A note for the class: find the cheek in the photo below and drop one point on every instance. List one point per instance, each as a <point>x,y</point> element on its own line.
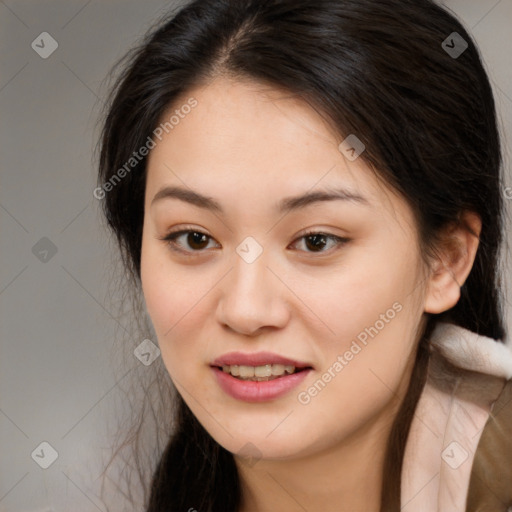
<point>368,331</point>
<point>163,286</point>
<point>177,302</point>
<point>362,295</point>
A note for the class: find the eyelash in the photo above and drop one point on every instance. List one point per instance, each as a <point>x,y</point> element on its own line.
<point>171,237</point>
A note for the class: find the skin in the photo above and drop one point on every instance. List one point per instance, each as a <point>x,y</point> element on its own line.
<point>248,146</point>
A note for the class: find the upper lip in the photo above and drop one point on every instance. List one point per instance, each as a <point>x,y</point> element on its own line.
<point>256,359</point>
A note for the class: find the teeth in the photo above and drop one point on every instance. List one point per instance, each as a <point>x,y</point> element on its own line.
<point>278,369</point>
<point>246,371</point>
<point>263,371</point>
<point>259,373</point>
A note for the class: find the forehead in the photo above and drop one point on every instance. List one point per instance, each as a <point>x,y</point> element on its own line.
<point>244,137</point>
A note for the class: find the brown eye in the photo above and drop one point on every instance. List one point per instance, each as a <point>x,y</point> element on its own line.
<point>316,241</point>
<point>194,241</point>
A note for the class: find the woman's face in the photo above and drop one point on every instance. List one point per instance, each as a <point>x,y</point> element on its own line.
<point>247,287</point>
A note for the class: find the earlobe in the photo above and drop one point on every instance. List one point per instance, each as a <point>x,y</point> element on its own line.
<point>456,255</point>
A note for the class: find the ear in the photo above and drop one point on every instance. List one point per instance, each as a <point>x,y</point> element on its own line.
<point>455,256</point>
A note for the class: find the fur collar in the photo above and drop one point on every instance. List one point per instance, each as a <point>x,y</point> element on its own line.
<point>450,417</point>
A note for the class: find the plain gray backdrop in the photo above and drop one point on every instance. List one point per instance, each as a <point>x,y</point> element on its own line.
<point>56,379</point>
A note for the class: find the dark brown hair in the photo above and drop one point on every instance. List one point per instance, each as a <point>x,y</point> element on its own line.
<point>375,68</point>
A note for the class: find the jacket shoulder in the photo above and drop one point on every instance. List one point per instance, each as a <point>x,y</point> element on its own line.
<point>490,486</point>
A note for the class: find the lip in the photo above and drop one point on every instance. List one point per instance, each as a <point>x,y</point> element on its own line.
<point>253,391</point>
<point>256,359</point>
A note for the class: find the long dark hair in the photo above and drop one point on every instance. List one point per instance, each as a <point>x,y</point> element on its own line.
<point>381,69</point>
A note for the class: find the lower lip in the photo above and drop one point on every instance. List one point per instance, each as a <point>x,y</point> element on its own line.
<point>254,391</point>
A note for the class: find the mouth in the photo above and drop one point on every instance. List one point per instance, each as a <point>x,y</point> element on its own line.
<point>258,377</point>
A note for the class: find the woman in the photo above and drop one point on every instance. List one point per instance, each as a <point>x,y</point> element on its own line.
<point>308,196</point>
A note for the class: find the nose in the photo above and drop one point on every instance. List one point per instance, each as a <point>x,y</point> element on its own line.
<point>253,298</point>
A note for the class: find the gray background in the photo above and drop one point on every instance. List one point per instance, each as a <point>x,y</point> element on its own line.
<point>56,378</point>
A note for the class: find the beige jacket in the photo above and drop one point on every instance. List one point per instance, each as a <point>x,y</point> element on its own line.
<point>458,456</point>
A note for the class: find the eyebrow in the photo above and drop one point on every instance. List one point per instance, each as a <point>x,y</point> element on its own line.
<point>285,205</point>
